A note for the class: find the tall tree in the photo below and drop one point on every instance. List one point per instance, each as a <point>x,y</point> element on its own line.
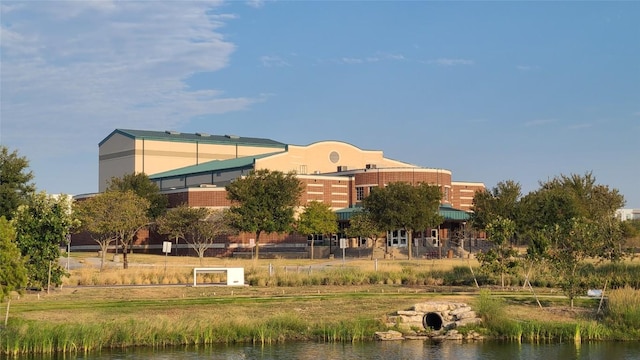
<point>403,206</point>
<point>95,216</point>
<point>264,201</point>
<point>142,186</point>
<point>13,274</point>
<point>362,225</point>
<point>177,222</point>
<point>128,217</point>
<point>15,182</point>
<point>501,201</point>
<point>317,218</point>
<point>501,258</point>
<point>42,225</point>
<point>202,233</point>
<point>573,219</point>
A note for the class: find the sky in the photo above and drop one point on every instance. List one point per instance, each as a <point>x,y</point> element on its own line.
<point>492,91</point>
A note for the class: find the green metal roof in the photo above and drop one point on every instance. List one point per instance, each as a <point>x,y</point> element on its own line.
<point>446,211</point>
<point>215,165</point>
<point>197,137</point>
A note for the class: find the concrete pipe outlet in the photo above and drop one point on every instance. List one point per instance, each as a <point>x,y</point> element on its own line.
<point>432,320</point>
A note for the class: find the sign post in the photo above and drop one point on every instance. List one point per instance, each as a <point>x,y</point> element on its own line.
<point>166,249</point>
<point>252,244</point>
<point>343,245</point>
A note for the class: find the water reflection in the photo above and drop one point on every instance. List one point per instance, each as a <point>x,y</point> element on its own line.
<point>408,350</point>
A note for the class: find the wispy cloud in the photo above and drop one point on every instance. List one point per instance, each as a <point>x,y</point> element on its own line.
<point>371,59</point>
<point>637,113</point>
<point>451,62</point>
<point>580,126</point>
<point>273,61</point>
<point>527,67</point>
<point>114,64</point>
<point>539,122</point>
<point>256,3</point>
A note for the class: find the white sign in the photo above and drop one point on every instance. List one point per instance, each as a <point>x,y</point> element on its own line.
<point>166,247</point>
<point>343,243</point>
<point>252,242</point>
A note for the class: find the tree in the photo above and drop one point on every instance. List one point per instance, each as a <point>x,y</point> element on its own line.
<point>95,217</point>
<point>264,201</point>
<point>177,222</point>
<point>128,217</point>
<point>142,186</point>
<point>203,232</point>
<point>42,225</point>
<point>403,206</point>
<point>317,218</point>
<point>501,258</point>
<point>361,224</point>
<point>572,218</point>
<point>501,201</point>
<point>13,274</point>
<point>15,186</point>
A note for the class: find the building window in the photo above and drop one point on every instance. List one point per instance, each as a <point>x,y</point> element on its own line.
<point>446,194</point>
<point>303,169</point>
<point>359,193</point>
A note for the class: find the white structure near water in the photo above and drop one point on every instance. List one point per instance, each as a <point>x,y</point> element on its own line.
<point>628,214</point>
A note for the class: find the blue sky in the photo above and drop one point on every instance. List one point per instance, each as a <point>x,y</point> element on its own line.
<point>492,91</point>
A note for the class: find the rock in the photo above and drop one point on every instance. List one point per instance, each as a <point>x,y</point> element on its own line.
<point>460,310</point>
<point>388,335</point>
<point>469,321</point>
<point>466,315</point>
<point>408,312</point>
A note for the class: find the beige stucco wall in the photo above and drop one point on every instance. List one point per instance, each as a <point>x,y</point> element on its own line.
<point>317,158</point>
<point>116,158</point>
<point>121,155</point>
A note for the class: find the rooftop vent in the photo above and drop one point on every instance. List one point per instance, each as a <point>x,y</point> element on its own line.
<point>342,168</point>
<point>233,136</point>
<point>370,166</point>
<point>172,132</point>
<point>203,134</point>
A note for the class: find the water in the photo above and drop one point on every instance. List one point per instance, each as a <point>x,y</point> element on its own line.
<point>397,350</point>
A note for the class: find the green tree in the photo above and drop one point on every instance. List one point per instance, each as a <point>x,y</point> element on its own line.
<point>403,206</point>
<point>501,201</point>
<point>142,186</point>
<point>15,182</point>
<point>13,273</point>
<point>129,216</point>
<point>317,218</point>
<point>501,258</point>
<point>177,222</point>
<point>264,201</point>
<point>572,219</point>
<point>362,225</point>
<point>96,217</point>
<point>201,234</point>
<point>42,225</point>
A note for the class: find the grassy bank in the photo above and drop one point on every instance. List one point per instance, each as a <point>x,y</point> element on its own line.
<point>295,300</point>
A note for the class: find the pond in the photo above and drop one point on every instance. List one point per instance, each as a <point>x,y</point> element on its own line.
<point>489,350</point>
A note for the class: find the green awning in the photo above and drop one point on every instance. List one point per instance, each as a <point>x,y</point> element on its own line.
<point>446,211</point>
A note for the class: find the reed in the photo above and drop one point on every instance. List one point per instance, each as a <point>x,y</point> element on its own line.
<point>30,337</point>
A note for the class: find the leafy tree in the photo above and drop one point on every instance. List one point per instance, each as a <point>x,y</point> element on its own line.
<point>264,201</point>
<point>202,233</point>
<point>572,219</point>
<point>13,274</point>
<point>501,201</point>
<point>96,218</point>
<point>41,226</point>
<point>177,222</point>
<point>317,218</point>
<point>142,186</point>
<point>501,258</point>
<point>127,218</point>
<point>15,182</point>
<point>403,206</point>
<point>362,225</point>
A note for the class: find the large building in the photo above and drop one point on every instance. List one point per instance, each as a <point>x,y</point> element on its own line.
<point>195,168</point>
